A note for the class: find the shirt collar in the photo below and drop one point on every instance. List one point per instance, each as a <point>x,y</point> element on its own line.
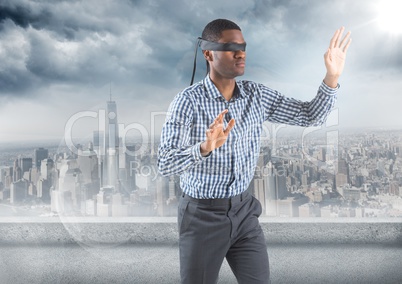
<point>213,92</point>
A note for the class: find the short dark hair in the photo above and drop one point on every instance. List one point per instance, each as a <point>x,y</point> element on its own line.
<point>213,30</point>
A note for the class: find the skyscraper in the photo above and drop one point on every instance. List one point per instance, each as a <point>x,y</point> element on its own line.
<point>39,155</point>
<point>25,164</point>
<point>342,176</point>
<point>111,162</point>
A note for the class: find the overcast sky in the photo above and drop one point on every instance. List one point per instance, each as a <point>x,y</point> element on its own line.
<point>61,58</point>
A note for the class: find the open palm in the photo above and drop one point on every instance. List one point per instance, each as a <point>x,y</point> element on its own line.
<point>336,53</point>
<point>216,134</point>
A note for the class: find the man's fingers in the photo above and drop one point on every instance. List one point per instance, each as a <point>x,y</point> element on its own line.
<point>333,39</point>
<point>222,114</point>
<point>230,126</point>
<point>345,39</point>
<point>218,119</point>
<point>224,111</point>
<point>339,37</point>
<point>219,125</point>
<point>345,49</point>
<point>215,125</point>
<point>336,38</point>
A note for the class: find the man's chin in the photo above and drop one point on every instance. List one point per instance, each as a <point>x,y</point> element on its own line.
<point>240,73</point>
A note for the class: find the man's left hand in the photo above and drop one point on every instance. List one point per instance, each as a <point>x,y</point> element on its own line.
<point>335,57</point>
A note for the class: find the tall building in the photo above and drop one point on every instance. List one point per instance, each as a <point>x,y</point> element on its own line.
<point>274,188</point>
<point>63,197</point>
<point>48,178</point>
<point>99,148</point>
<point>25,164</point>
<point>88,164</point>
<point>39,155</point>
<point>17,173</point>
<point>6,176</point>
<point>18,191</point>
<point>46,168</point>
<point>129,164</point>
<point>342,176</point>
<point>103,202</point>
<point>111,144</point>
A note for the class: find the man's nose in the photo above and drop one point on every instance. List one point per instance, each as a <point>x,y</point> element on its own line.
<point>240,54</point>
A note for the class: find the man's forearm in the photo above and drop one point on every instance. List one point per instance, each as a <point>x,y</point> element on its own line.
<point>175,161</point>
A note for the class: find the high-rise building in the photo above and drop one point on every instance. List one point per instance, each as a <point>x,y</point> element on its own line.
<point>39,155</point>
<point>48,178</point>
<point>25,164</point>
<point>18,191</point>
<point>342,176</point>
<point>99,148</point>
<point>63,197</point>
<point>274,188</point>
<point>46,168</point>
<point>103,202</point>
<point>17,173</point>
<point>106,146</point>
<point>88,164</point>
<point>6,176</point>
<point>111,143</point>
<point>98,140</point>
<point>129,164</point>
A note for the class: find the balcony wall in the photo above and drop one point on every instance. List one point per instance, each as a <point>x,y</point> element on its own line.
<point>144,250</point>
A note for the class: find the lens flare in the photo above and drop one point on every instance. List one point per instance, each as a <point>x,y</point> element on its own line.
<point>389,16</point>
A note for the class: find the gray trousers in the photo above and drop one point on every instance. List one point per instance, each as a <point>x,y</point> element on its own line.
<point>212,229</point>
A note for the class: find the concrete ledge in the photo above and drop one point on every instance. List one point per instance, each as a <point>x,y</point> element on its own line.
<point>144,250</point>
<point>163,231</point>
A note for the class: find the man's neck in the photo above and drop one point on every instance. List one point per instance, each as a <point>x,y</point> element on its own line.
<point>225,86</point>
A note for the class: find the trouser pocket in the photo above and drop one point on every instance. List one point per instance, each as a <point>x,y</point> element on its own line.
<point>181,211</point>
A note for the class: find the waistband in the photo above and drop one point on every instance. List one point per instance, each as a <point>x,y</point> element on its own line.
<point>219,201</point>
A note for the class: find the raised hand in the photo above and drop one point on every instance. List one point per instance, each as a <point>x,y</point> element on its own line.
<point>216,135</point>
<point>335,57</point>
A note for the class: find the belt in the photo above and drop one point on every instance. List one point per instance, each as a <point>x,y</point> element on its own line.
<point>219,201</point>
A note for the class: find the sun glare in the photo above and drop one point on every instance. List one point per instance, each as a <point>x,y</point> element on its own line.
<point>389,16</point>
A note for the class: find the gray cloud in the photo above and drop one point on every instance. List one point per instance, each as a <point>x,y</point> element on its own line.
<point>60,57</point>
<point>23,15</point>
<point>136,44</point>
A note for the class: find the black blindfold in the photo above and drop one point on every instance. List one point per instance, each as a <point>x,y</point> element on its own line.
<point>215,46</point>
<point>218,46</point>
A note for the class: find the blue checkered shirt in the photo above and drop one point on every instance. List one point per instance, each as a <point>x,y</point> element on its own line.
<point>228,170</point>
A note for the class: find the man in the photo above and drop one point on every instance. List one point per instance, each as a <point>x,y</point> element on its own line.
<point>211,137</point>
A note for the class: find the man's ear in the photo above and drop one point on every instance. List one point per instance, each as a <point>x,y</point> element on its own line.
<point>208,55</point>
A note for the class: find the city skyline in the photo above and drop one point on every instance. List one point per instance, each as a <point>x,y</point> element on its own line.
<point>63,58</point>
<point>317,174</point>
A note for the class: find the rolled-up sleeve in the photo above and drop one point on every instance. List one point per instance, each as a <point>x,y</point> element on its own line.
<point>175,154</point>
<point>281,109</point>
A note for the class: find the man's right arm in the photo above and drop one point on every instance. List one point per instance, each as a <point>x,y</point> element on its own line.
<point>176,153</point>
